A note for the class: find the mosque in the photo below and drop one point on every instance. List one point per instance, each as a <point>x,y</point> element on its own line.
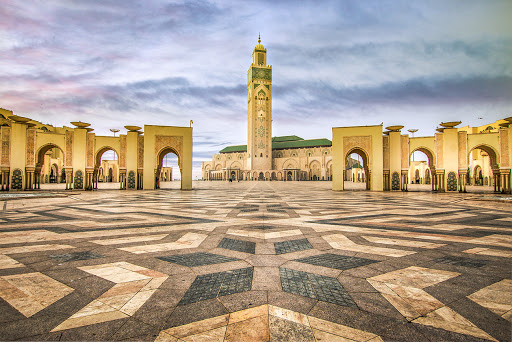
<point>266,157</point>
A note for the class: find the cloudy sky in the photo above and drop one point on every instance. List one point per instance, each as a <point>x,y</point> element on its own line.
<point>335,63</point>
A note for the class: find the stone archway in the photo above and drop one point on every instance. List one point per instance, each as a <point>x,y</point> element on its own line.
<point>365,160</point>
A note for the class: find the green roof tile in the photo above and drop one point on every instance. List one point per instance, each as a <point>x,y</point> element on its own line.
<point>280,145</point>
<point>287,138</point>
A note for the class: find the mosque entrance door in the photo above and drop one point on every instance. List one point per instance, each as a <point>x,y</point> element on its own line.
<point>233,175</point>
<point>261,176</point>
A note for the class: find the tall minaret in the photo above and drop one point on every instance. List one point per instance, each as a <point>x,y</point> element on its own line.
<point>259,103</point>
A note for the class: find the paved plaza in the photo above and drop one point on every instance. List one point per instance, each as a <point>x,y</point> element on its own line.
<point>255,261</point>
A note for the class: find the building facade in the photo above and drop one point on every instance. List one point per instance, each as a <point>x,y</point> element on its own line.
<point>33,153</point>
<point>265,157</point>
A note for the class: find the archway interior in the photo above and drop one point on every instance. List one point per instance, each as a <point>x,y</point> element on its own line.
<point>50,167</point>
<point>107,168</point>
<point>420,165</point>
<point>356,170</point>
<point>482,163</point>
<point>168,170</point>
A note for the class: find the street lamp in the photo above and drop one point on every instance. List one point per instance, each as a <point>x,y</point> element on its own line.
<point>412,131</point>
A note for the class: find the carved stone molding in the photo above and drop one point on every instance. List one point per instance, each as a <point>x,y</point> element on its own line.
<point>69,149</point>
<point>6,145</point>
<point>463,150</point>
<point>174,142</point>
<point>439,150</point>
<point>505,158</point>
<point>385,149</point>
<point>90,149</point>
<point>140,151</point>
<point>122,151</point>
<point>363,142</point>
<point>31,145</point>
<point>404,144</point>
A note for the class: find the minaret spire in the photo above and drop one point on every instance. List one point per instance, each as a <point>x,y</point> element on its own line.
<point>259,38</point>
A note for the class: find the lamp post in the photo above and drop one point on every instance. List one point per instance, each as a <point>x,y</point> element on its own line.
<point>412,131</point>
<point>114,130</point>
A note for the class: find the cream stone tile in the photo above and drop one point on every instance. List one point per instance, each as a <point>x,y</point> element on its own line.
<point>496,297</point>
<point>189,240</point>
<point>421,301</point>
<point>30,293</point>
<point>93,308</point>
<point>263,235</point>
<point>31,249</point>
<point>381,287</point>
<point>252,329</point>
<point>494,240</point>
<point>447,319</point>
<point>322,336</point>
<point>288,315</point>
<point>400,242</point>
<point>126,288</point>
<point>340,241</point>
<point>340,330</point>
<point>118,301</point>
<point>415,276</point>
<point>164,337</point>
<point>128,266</point>
<point>88,320</point>
<point>136,302</point>
<point>198,327</point>
<point>489,251</point>
<point>208,336</point>
<point>7,262</point>
<point>242,315</point>
<point>403,306</point>
<point>154,283</point>
<point>29,236</point>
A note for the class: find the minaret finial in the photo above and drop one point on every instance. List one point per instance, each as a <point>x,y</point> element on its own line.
<point>259,38</point>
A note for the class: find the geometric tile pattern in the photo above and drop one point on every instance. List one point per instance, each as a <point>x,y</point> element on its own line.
<point>130,294</point>
<point>340,262</point>
<point>238,245</point>
<point>315,286</point>
<point>460,261</point>
<point>404,290</point>
<point>134,285</point>
<point>264,323</point>
<point>75,256</point>
<point>218,284</point>
<point>496,297</point>
<point>30,293</point>
<point>340,241</point>
<point>292,246</point>
<point>197,259</point>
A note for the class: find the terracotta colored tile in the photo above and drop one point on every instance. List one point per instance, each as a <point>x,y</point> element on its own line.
<point>198,327</point>
<point>248,313</point>
<point>253,329</point>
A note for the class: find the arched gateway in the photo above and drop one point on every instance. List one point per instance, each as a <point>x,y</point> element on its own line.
<point>386,156</point>
<point>25,143</point>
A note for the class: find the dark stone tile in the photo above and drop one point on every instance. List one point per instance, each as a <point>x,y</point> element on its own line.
<point>292,246</point>
<point>195,312</point>
<point>461,261</point>
<point>315,286</point>
<point>353,284</point>
<point>483,318</point>
<point>238,245</point>
<point>75,256</point>
<point>134,328</point>
<point>197,259</point>
<point>211,285</point>
<point>244,300</point>
<point>15,330</point>
<point>291,301</point>
<point>340,262</point>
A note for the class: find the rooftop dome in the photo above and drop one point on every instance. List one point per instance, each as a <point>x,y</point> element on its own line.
<point>259,46</point>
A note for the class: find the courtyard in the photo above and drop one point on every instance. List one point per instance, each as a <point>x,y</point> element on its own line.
<point>255,261</point>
